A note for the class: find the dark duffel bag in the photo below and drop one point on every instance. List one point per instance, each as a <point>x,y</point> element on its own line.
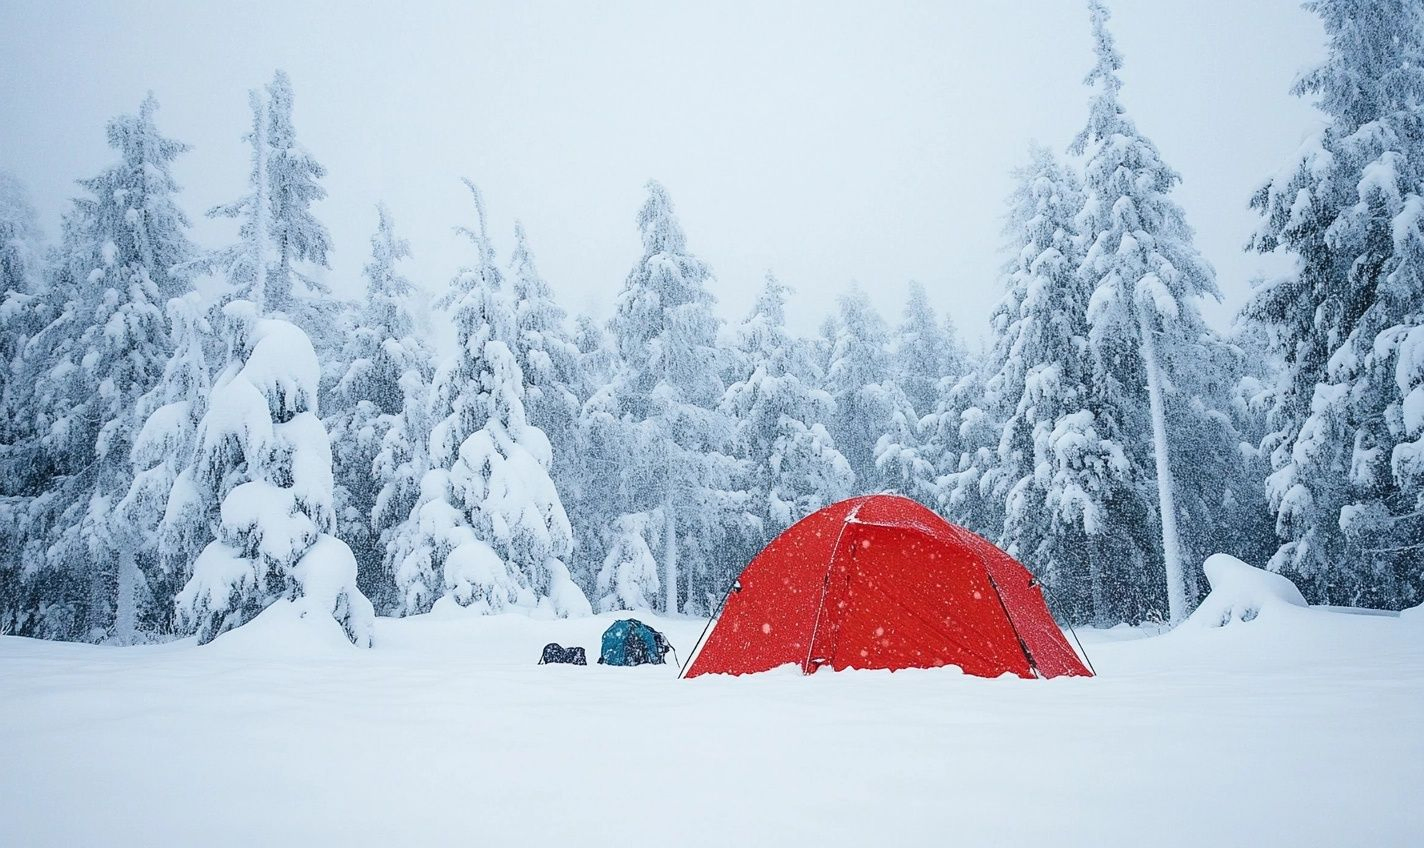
<point>556,653</point>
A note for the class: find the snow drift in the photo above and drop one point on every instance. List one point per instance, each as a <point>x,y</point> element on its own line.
<point>1240,592</point>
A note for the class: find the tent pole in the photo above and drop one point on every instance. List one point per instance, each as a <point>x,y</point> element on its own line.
<point>994,584</point>
<point>682,669</point>
<point>826,583</point>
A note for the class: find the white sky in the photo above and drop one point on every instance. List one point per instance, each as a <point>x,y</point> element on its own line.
<point>829,141</point>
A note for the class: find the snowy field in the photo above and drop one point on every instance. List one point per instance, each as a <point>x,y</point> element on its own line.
<point>1300,727</point>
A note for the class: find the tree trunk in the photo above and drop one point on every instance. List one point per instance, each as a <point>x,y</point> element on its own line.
<point>126,604</point>
<point>669,558</point>
<point>1096,591</point>
<point>260,201</point>
<point>1171,548</point>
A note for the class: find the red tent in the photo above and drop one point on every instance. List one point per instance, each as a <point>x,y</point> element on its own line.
<point>881,582</point>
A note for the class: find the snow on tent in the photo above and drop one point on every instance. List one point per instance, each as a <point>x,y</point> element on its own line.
<point>882,582</point>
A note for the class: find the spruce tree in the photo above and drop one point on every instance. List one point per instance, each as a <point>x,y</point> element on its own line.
<point>382,359</point>
<point>607,489</point>
<point>191,520</point>
<point>668,389</point>
<point>1147,280</point>
<point>298,238</point>
<point>488,530</point>
<point>22,307</point>
<point>263,476</point>
<point>550,361</point>
<point>401,466</point>
<point>792,468</point>
<point>1052,491</point>
<point>279,238</point>
<point>246,263</point>
<point>875,424</point>
<point>628,578</point>
<point>959,440</point>
<point>105,348</point>
<point>26,308</point>
<point>170,414</point>
<point>926,351</point>
<point>595,496</point>
<point>1346,428</point>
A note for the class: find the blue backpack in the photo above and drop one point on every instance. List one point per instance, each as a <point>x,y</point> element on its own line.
<point>631,642</point>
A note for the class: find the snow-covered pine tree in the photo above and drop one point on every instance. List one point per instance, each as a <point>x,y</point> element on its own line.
<point>597,357</point>
<point>169,415</point>
<point>401,465</point>
<point>277,223</point>
<point>606,489</point>
<point>20,237</point>
<point>300,242</point>
<point>191,519</point>
<point>264,458</point>
<point>333,321</point>
<point>875,425</point>
<point>1148,280</point>
<point>298,238</point>
<point>1216,420</point>
<point>958,442</point>
<point>1251,398</point>
<point>384,361</point>
<point>43,386</point>
<point>628,578</point>
<point>106,347</point>
<point>792,467</point>
<point>22,308</point>
<point>488,530</point>
<point>1042,376</point>
<point>856,362</point>
<point>245,264</point>
<point>1346,429</point>
<point>27,306</point>
<point>25,309</point>
<point>668,388</point>
<point>594,498</point>
<point>550,361</point>
<point>925,351</point>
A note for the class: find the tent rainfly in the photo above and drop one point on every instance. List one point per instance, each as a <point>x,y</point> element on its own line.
<point>880,581</point>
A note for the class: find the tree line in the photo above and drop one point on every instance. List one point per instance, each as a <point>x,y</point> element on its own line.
<point>170,465</point>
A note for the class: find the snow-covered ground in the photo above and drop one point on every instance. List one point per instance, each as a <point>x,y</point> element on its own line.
<point>1298,727</point>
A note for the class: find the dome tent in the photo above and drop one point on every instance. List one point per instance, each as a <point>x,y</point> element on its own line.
<point>880,581</point>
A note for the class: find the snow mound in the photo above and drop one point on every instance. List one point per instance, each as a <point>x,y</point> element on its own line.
<point>1239,592</point>
<point>287,628</point>
<point>1413,615</point>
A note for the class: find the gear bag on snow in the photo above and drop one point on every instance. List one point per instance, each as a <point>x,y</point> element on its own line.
<point>556,653</point>
<point>631,642</point>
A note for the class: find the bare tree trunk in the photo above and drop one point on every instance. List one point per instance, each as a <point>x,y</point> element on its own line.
<point>260,201</point>
<point>126,604</point>
<point>1171,547</point>
<point>669,557</point>
<point>1095,586</point>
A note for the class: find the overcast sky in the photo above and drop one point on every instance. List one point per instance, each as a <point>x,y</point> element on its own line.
<point>830,142</point>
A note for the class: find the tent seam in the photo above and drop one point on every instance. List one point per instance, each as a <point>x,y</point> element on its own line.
<point>994,585</point>
<point>826,581</point>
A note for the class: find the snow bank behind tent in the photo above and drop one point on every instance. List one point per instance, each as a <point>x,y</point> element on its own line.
<point>1240,592</point>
